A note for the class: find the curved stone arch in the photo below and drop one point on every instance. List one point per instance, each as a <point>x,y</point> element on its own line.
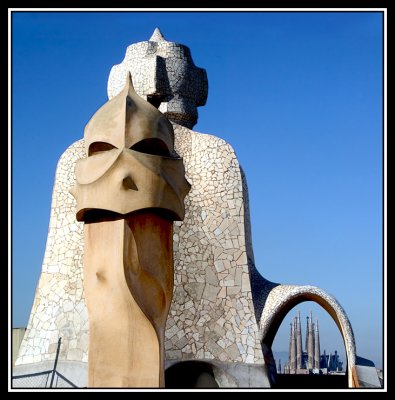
<point>283,298</point>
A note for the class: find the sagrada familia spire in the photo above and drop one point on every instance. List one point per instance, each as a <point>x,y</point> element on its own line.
<point>297,358</point>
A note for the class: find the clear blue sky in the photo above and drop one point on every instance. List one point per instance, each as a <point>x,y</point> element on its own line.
<point>299,97</point>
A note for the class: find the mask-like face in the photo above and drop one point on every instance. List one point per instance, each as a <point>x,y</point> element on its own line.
<point>131,163</point>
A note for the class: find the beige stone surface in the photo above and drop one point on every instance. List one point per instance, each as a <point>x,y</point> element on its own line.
<point>128,289</point>
<point>129,189</point>
<point>131,164</point>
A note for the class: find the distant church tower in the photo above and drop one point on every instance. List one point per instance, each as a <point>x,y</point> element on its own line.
<point>297,358</point>
<point>317,352</point>
<point>299,349</point>
<point>310,344</point>
<point>292,360</point>
<point>307,333</point>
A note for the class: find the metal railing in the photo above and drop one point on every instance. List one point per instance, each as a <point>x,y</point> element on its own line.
<point>45,379</point>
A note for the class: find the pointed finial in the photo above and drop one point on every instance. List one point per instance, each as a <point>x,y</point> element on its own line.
<point>156,36</point>
<point>129,80</point>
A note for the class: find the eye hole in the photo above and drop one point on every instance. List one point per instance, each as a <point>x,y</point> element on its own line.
<point>155,147</point>
<point>98,147</point>
<point>155,99</point>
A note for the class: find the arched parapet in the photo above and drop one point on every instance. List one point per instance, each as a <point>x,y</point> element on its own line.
<point>283,298</point>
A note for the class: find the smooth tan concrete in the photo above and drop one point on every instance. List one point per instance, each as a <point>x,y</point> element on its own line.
<point>129,190</point>
<point>128,282</point>
<point>131,163</point>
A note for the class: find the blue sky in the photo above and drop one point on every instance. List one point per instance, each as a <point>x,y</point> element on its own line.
<point>297,94</point>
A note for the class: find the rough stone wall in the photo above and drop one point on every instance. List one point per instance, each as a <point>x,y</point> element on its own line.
<point>59,305</point>
<point>211,316</point>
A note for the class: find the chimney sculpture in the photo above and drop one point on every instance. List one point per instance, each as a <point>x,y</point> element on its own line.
<point>129,190</point>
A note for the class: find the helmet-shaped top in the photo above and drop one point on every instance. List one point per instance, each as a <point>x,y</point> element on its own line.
<point>165,75</point>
